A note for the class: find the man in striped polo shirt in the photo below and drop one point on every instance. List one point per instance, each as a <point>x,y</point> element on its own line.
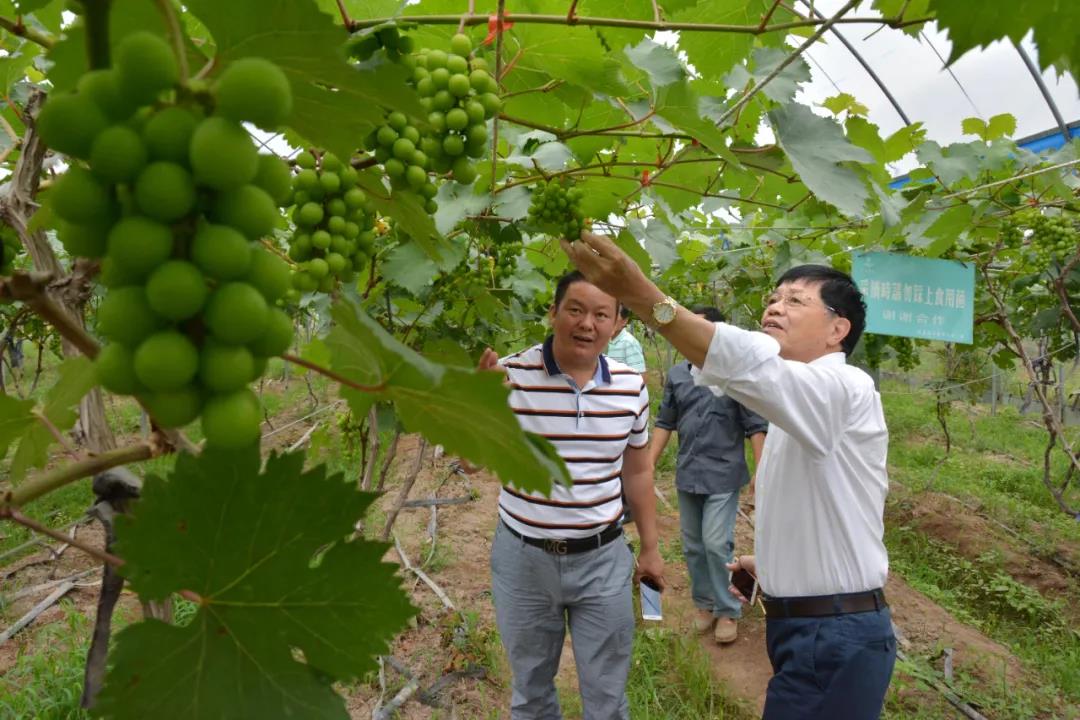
<point>559,561</point>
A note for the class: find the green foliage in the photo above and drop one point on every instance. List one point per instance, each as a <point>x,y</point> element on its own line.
<point>464,410</point>
<point>333,103</point>
<point>1054,25</point>
<point>175,198</point>
<point>275,571</point>
<point>35,428</point>
<point>816,146</point>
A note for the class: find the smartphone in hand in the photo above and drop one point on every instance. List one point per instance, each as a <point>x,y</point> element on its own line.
<point>650,600</point>
<point>745,583</point>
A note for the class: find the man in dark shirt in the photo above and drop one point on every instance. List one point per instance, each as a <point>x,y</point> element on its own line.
<point>711,471</point>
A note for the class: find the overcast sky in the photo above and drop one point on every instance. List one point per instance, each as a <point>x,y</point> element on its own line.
<point>994,79</point>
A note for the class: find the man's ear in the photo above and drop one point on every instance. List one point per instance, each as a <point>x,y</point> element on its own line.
<point>840,330</point>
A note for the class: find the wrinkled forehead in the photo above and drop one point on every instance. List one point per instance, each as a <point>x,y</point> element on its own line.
<point>801,286</point>
<point>586,295</point>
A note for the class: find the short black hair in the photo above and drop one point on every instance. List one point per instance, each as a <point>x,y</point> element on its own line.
<point>839,292</point>
<point>575,276</point>
<point>564,284</point>
<point>624,312</point>
<point>709,312</point>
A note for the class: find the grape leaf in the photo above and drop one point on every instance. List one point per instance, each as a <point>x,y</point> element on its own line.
<point>1053,24</point>
<point>658,239</point>
<point>253,546</point>
<point>910,9</point>
<point>464,410</point>
<point>815,147</point>
<point>713,54</point>
<point>15,418</point>
<point>402,207</point>
<point>573,54</point>
<point>455,202</point>
<point>838,104</point>
<point>617,38</point>
<point>974,126</point>
<point>13,66</point>
<point>695,171</point>
<point>659,62</point>
<point>904,141</point>
<point>409,266</point>
<point>550,156</point>
<point>953,162</point>
<point>781,88</point>
<point>632,247</point>
<point>77,376</point>
<point>999,126</point>
<point>681,106</point>
<point>512,203</point>
<point>334,103</point>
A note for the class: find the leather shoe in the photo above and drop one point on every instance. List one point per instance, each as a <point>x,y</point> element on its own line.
<point>703,620</point>
<point>726,631</point>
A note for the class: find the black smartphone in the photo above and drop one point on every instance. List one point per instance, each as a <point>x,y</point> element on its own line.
<point>745,583</point>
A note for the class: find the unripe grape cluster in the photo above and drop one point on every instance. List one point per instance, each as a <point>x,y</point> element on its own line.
<point>459,95</point>
<point>1054,239</point>
<point>167,187</point>
<point>556,208</point>
<point>334,221</point>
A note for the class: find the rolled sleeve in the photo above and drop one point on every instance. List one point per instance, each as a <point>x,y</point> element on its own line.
<point>752,422</point>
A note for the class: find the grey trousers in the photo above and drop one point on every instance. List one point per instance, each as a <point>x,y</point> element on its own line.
<point>537,595</point>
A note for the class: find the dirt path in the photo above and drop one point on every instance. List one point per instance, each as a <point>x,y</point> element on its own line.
<point>742,667</point>
<point>441,642</point>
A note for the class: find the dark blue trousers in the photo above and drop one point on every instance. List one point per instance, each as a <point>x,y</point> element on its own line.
<point>829,668</point>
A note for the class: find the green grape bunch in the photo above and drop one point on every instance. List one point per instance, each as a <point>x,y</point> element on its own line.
<point>460,96</point>
<point>556,208</point>
<point>335,224</point>
<point>167,188</point>
<point>1054,239</point>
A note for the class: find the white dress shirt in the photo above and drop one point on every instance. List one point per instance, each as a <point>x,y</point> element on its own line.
<point>822,480</point>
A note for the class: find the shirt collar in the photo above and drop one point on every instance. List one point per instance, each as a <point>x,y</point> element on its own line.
<point>602,376</point>
<point>835,358</point>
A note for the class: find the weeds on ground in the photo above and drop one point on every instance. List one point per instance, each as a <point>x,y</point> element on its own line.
<point>46,680</point>
<point>671,679</point>
<point>980,593</point>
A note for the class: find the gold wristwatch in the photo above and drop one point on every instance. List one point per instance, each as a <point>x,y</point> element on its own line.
<point>664,311</point>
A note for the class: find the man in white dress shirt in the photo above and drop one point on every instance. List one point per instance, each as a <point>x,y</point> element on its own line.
<point>821,485</point>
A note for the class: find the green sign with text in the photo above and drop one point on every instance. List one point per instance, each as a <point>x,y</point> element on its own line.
<point>916,297</point>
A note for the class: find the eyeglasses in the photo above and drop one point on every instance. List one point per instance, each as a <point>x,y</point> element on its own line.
<point>797,301</point>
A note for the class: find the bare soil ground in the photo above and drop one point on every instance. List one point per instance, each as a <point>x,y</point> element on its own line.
<point>453,643</point>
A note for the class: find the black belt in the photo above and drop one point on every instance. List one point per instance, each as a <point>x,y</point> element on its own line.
<point>569,546</point>
<point>824,605</point>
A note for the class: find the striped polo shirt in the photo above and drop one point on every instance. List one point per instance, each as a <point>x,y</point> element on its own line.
<point>590,428</point>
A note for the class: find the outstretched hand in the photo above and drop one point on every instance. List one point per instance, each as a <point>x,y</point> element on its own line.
<point>610,269</point>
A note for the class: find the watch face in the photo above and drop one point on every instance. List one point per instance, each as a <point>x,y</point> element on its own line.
<point>664,313</point>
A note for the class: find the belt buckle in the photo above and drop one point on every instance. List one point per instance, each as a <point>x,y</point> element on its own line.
<point>555,547</point>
